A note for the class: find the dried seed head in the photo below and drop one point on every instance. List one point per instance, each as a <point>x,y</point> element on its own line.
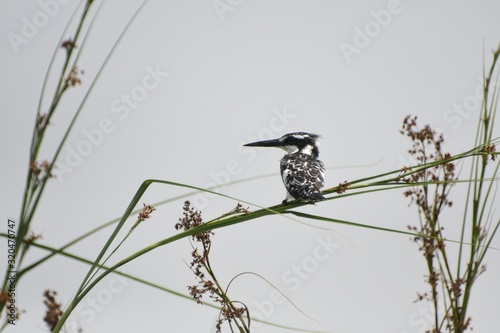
<point>146,212</point>
<point>73,78</point>
<point>68,44</point>
<point>54,311</point>
<point>342,188</point>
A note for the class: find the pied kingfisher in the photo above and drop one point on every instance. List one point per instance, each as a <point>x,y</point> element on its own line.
<point>302,173</point>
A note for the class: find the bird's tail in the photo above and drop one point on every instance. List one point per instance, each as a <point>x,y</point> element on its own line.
<point>316,196</point>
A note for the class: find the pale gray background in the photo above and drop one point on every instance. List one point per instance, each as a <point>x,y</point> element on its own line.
<point>229,75</point>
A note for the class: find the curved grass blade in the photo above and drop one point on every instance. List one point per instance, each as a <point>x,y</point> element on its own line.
<point>69,255</point>
<point>274,287</point>
<point>368,226</point>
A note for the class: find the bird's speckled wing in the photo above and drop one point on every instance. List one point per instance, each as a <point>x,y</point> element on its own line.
<point>303,176</point>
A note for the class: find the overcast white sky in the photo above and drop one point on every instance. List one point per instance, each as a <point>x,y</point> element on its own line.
<point>189,84</point>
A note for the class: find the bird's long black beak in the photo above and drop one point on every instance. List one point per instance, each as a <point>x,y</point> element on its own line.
<point>265,143</point>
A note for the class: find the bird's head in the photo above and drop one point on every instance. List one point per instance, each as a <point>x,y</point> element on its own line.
<point>299,142</point>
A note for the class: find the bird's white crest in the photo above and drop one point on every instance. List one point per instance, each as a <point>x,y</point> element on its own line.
<point>307,150</point>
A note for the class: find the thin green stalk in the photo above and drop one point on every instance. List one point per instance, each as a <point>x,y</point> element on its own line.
<point>479,168</point>
<point>61,249</point>
<point>470,194</point>
<point>71,256</point>
<point>129,276</point>
<point>31,188</point>
<point>38,194</point>
<point>87,284</point>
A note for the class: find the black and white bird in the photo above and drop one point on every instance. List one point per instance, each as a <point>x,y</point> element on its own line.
<point>302,173</point>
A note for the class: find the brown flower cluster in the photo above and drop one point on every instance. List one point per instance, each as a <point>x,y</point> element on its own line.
<point>490,150</point>
<point>32,237</point>
<point>192,219</point>
<point>41,170</point>
<point>431,182</point>
<point>342,188</point>
<point>426,148</point>
<point>54,311</point>
<point>200,265</point>
<point>68,44</point>
<point>73,78</point>
<point>145,213</point>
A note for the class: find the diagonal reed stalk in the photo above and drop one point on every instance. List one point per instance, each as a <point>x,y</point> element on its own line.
<point>382,182</point>
<point>480,197</point>
<point>451,282</point>
<point>477,220</point>
<point>39,173</point>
